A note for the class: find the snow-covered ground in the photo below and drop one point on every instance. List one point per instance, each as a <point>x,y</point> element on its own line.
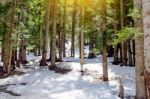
<point>44,84</point>
<point>41,83</point>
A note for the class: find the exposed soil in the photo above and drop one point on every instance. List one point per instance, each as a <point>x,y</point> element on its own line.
<point>60,70</point>
<point>4,75</point>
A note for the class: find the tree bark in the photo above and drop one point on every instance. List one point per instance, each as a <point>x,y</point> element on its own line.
<point>133,44</point>
<point>81,34</point>
<point>104,40</point>
<point>54,30</point>
<point>124,45</point>
<point>139,52</point>
<point>22,51</point>
<point>73,28</point>
<point>8,42</point>
<point>116,55</point>
<point>64,30</point>
<point>116,27</point>
<point>130,54</point>
<point>46,34</point>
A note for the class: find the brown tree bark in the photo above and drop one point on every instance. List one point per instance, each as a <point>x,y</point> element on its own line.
<point>22,51</point>
<point>64,29</point>
<point>8,42</point>
<point>73,28</point>
<point>54,30</point>
<point>43,62</point>
<point>139,52</point>
<point>104,39</point>
<point>124,44</point>
<point>130,54</point>
<point>81,33</point>
<point>133,45</point>
<point>115,55</point>
<point>116,28</point>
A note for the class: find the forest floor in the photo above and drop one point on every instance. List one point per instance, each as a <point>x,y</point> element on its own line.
<point>41,83</point>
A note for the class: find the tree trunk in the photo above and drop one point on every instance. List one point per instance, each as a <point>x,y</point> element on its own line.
<point>2,49</point>
<point>13,61</point>
<point>130,54</point>
<point>73,28</point>
<point>139,52</point>
<point>79,42</point>
<point>146,24</point>
<point>116,55</point>
<point>81,35</point>
<point>133,44</point>
<point>8,42</point>
<point>124,45</point>
<point>22,51</point>
<point>54,30</point>
<point>45,47</point>
<point>64,30</point>
<point>91,53</point>
<point>60,46</point>
<point>104,40</point>
<point>116,28</point>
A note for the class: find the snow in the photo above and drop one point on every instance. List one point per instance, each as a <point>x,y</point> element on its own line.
<point>42,83</point>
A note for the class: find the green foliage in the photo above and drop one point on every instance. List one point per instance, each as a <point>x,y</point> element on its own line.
<point>96,50</point>
<point>126,34</point>
<point>136,14</point>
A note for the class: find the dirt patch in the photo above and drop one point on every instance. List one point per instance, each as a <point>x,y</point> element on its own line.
<point>4,75</point>
<point>60,70</point>
<point>23,83</point>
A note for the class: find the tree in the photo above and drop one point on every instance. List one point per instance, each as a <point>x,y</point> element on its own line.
<point>122,18</point>
<point>139,52</point>
<point>73,28</point>
<point>8,41</point>
<point>64,30</point>
<point>116,28</point>
<point>81,33</point>
<point>45,47</point>
<point>54,30</point>
<point>146,25</point>
<point>104,39</point>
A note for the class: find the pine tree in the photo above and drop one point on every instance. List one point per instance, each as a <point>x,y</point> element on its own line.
<point>46,35</point>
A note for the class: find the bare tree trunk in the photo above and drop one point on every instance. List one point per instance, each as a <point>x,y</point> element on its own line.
<point>13,61</point>
<point>133,44</point>
<point>139,52</point>
<point>2,49</point>
<point>104,40</point>
<point>146,24</point>
<point>54,30</point>
<point>91,53</point>
<point>60,46</point>
<point>64,30</point>
<point>79,42</point>
<point>121,89</point>
<point>45,47</point>
<point>22,51</point>
<point>130,54</point>
<point>73,29</point>
<point>8,42</point>
<point>116,55</point>
<point>116,27</point>
<point>81,33</point>
<point>124,45</point>
<point>24,56</point>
